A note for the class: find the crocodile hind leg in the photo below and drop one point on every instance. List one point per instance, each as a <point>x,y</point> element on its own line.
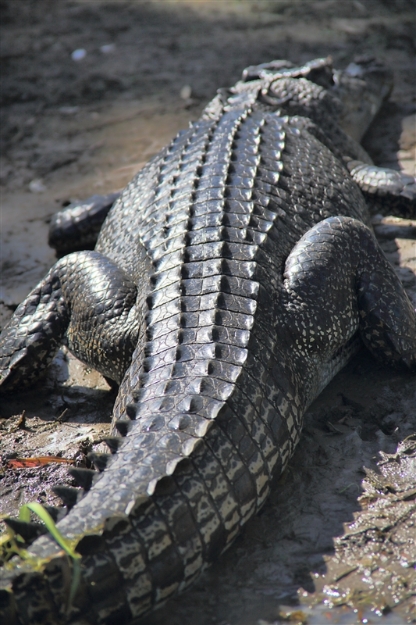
<point>337,282</point>
<point>85,301</point>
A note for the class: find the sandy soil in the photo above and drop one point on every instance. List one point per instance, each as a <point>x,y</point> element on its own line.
<point>336,543</point>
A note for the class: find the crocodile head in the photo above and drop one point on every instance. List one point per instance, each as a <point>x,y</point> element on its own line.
<point>362,88</point>
<point>353,96</point>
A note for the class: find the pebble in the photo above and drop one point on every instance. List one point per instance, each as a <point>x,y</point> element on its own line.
<point>68,110</point>
<point>108,48</point>
<point>78,54</point>
<point>37,186</point>
<point>186,92</point>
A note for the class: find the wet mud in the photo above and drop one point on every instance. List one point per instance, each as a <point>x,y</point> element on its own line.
<point>336,542</point>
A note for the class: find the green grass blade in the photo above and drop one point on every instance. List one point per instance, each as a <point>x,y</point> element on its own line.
<point>40,511</point>
<point>76,579</point>
<point>24,514</point>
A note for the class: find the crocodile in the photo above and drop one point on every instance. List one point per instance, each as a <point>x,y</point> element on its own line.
<point>231,280</point>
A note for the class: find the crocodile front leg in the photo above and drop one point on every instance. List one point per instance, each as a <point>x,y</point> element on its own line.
<point>85,301</point>
<point>386,191</point>
<point>77,226</point>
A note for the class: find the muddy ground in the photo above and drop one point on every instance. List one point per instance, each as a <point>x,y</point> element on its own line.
<point>336,543</point>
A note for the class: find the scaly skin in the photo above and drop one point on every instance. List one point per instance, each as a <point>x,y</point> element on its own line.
<point>264,280</point>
